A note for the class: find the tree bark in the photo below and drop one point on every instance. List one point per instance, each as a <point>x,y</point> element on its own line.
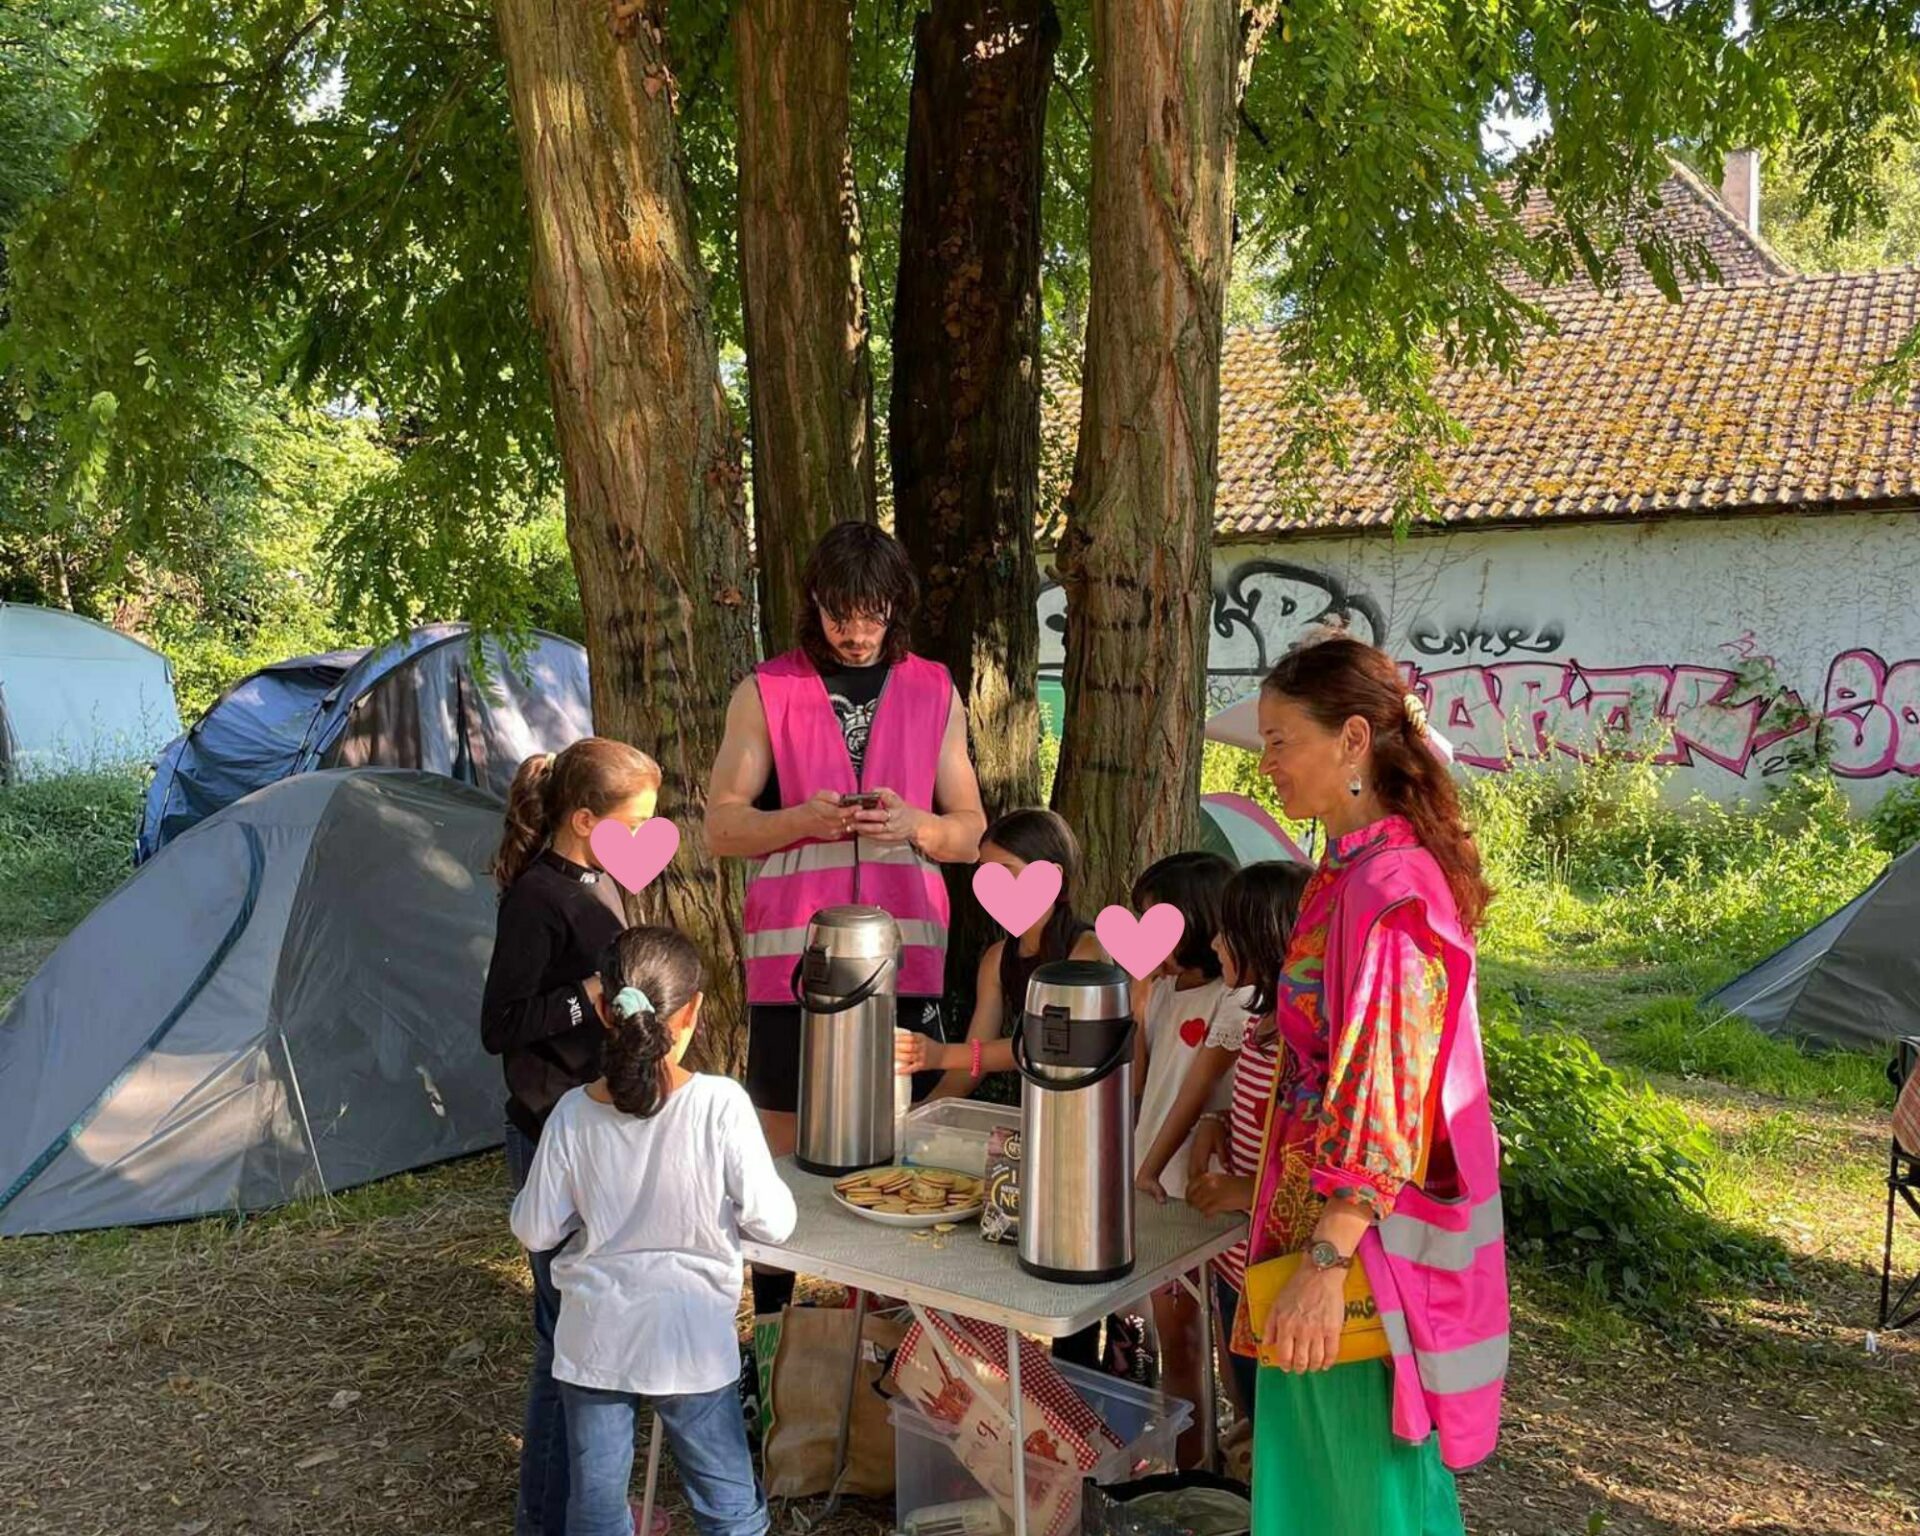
<point>651,457</point>
<point>964,422</point>
<point>809,378</point>
<point>1136,554</point>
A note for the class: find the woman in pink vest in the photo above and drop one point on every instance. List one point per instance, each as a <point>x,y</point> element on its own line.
<point>843,777</point>
<point>1379,1147</point>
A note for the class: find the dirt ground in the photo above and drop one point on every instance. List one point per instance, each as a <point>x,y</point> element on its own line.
<point>358,1368</point>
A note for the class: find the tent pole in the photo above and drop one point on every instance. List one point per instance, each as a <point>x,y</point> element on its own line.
<point>300,1103</point>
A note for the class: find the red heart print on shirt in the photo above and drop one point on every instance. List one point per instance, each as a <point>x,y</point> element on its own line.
<point>1193,1033</point>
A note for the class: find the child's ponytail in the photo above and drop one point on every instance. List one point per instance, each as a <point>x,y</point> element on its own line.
<point>526,832</point>
<point>649,975</point>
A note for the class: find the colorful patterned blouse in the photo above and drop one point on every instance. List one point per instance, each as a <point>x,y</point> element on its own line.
<point>1351,1117</point>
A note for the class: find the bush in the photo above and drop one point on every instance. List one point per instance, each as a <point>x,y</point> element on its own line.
<point>1896,820</point>
<point>1595,865</point>
<point>64,843</point>
<point>1604,1183</point>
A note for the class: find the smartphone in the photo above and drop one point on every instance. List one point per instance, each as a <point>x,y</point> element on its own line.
<point>867,800</point>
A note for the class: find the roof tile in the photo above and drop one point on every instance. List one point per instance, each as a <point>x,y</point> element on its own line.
<point>1744,396</point>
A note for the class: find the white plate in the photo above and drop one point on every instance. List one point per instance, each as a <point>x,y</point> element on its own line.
<point>956,1215</point>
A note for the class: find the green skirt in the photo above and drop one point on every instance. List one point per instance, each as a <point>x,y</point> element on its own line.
<point>1326,1463</point>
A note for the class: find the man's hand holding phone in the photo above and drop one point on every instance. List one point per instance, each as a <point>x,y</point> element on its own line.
<point>828,817</point>
<point>885,818</point>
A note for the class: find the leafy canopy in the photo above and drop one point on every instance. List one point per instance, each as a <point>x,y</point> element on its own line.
<point>323,195</point>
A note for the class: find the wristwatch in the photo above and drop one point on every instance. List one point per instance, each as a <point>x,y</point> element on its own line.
<point>1323,1255</point>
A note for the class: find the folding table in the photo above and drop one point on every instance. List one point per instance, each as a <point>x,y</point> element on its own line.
<point>974,1278</point>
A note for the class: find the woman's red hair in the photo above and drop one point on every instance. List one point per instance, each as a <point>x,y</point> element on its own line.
<point>1337,678</point>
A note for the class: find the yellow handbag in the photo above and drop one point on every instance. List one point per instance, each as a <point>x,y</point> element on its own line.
<point>1362,1337</point>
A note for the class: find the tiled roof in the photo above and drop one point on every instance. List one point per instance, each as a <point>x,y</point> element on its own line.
<point>1745,397</point>
<point>1693,218</point>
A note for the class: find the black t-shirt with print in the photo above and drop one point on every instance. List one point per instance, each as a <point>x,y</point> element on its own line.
<point>854,693</point>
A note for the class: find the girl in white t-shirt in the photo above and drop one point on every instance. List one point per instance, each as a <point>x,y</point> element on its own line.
<point>1182,1008</point>
<point>649,1176</point>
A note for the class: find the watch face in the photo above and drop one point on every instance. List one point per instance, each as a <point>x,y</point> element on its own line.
<point>1324,1255</point>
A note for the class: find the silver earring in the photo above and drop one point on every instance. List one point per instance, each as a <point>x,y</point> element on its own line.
<point>1353,786</point>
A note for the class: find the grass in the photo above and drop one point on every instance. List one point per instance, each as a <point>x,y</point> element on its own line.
<point>1678,1036</point>
<point>64,844</point>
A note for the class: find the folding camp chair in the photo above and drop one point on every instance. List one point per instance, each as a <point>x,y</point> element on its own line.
<point>1903,1182</point>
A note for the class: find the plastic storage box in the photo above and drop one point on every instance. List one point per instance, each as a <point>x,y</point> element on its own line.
<point>952,1133</point>
<point>928,1474</point>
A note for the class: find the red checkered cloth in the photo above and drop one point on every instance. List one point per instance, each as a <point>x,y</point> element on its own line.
<point>1069,1425</point>
<point>962,1385</point>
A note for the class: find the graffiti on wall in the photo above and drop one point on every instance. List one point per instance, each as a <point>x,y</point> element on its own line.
<point>1484,639</point>
<point>1867,721</point>
<point>1259,608</point>
<point>1501,690</point>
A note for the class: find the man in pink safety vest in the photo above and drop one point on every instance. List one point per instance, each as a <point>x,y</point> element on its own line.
<point>844,776</point>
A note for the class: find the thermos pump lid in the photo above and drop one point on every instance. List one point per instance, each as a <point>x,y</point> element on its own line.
<point>1089,991</point>
<point>853,931</point>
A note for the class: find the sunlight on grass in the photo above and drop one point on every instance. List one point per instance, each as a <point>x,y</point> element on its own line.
<point>1676,1035</point>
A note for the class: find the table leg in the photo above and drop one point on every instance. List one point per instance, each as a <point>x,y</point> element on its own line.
<point>1019,1405</point>
<point>846,1410</point>
<point>1210,1407</point>
<point>653,1479</point>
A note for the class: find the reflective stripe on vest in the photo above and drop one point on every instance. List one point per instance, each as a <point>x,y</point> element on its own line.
<point>1421,1242</point>
<point>1449,1372</point>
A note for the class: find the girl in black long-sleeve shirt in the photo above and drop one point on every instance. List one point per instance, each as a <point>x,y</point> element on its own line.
<point>558,913</point>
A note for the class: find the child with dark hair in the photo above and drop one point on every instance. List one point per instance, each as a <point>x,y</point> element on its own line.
<point>1258,909</point>
<point>1017,839</point>
<point>645,1180</point>
<point>1182,1008</point>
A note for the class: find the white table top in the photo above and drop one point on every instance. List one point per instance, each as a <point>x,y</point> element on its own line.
<point>979,1279</point>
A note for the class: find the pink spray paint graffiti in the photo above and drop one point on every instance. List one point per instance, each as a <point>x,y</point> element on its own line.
<point>1873,715</point>
<point>1683,715</point>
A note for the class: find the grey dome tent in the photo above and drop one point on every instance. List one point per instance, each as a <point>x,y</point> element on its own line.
<point>417,703</point>
<point>77,694</point>
<point>284,1002</point>
<point>1852,980</point>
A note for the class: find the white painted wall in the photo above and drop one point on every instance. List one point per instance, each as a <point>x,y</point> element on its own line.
<point>1724,642</point>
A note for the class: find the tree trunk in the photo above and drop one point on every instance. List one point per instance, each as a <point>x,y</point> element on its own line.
<point>965,417</point>
<point>651,456</point>
<point>809,380</point>
<point>1135,558</point>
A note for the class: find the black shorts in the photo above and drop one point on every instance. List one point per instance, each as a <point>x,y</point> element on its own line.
<point>773,1050</point>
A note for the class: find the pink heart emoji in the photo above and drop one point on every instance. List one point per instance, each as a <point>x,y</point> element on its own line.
<point>635,857</point>
<point>1140,943</point>
<point>1016,905</point>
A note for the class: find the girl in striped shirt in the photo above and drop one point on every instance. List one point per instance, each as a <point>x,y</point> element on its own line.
<point>1257,913</point>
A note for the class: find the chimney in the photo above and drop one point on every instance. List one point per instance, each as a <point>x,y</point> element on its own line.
<point>1740,188</point>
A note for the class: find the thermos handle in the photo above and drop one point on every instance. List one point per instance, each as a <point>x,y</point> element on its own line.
<point>1122,1053</point>
<point>852,1000</point>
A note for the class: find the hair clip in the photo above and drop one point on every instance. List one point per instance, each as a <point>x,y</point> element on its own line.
<point>629,1002</point>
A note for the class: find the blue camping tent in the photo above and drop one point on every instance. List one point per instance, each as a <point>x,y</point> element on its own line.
<point>418,703</point>
<point>77,694</point>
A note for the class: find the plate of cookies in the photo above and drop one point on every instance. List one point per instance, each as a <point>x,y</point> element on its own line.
<point>911,1197</point>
